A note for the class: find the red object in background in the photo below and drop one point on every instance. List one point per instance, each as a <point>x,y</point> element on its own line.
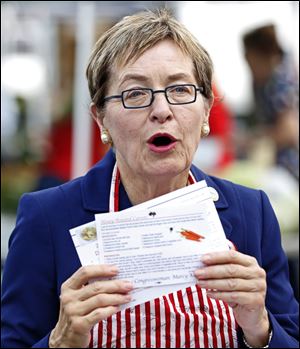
<point>222,126</point>
<point>58,159</point>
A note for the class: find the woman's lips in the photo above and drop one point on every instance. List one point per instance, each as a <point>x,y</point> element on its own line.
<point>162,148</point>
<point>161,142</point>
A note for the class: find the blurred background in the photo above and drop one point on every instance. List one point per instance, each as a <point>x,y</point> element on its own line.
<point>48,137</point>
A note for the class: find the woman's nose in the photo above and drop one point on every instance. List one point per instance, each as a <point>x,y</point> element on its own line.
<point>160,109</point>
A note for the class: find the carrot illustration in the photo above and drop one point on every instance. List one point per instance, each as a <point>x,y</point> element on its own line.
<point>190,235</point>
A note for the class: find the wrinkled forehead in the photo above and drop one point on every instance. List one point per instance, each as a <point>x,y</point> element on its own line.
<point>129,55</point>
<point>166,57</point>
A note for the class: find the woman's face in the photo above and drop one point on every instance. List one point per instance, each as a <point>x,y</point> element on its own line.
<point>135,132</point>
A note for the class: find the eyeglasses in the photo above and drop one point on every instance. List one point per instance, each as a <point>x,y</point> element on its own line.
<point>137,98</point>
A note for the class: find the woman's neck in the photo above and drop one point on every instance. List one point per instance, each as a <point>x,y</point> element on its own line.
<point>140,188</point>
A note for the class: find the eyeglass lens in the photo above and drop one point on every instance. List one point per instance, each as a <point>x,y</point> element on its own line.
<point>178,94</point>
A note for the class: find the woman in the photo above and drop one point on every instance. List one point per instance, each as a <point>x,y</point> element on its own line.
<point>150,84</point>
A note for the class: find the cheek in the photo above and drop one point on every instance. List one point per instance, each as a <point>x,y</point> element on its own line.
<point>195,138</point>
<point>122,131</point>
<point>192,130</point>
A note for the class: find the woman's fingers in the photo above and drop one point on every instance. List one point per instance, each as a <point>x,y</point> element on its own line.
<point>99,314</point>
<point>87,273</point>
<point>229,265</point>
<point>80,325</point>
<point>95,295</point>
<point>105,286</point>
<point>228,257</point>
<point>233,284</point>
<point>84,301</point>
<point>250,300</point>
<point>230,271</point>
<point>102,300</point>
<point>234,278</point>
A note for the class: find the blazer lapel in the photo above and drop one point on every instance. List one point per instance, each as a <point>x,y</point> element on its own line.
<point>226,225</point>
<point>221,204</point>
<point>95,185</point>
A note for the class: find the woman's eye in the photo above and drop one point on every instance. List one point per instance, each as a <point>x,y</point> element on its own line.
<point>179,89</point>
<point>135,94</point>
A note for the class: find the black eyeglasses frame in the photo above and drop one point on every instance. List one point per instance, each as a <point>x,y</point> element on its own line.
<point>197,89</point>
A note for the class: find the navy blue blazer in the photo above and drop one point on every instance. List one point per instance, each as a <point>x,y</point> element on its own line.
<point>42,255</point>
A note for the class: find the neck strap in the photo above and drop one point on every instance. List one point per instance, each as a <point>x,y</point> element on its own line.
<point>115,186</point>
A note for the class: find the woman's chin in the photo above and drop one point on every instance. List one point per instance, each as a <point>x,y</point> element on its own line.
<point>166,168</point>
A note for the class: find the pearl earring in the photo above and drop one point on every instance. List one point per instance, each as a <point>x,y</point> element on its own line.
<point>105,137</point>
<point>205,129</point>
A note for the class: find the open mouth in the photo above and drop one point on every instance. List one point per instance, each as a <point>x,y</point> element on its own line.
<point>161,142</point>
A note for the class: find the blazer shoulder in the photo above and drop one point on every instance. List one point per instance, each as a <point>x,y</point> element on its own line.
<point>245,195</point>
<point>56,195</point>
<point>226,187</point>
<point>229,187</point>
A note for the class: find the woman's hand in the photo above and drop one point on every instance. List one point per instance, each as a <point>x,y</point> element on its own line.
<point>83,305</point>
<point>238,280</point>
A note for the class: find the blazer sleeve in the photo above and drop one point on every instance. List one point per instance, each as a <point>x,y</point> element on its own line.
<point>30,304</point>
<point>281,304</point>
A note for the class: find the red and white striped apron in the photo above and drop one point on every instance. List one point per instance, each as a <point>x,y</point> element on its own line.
<point>183,319</point>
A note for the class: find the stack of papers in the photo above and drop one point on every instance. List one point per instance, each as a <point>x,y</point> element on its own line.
<point>156,245</point>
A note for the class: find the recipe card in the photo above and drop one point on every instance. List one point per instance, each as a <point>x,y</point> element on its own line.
<point>162,245</point>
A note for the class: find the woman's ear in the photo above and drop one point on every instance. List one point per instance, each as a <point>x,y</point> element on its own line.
<point>98,117</point>
<point>96,114</point>
<point>209,105</point>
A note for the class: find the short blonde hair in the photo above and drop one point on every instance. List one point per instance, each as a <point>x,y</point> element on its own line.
<point>127,40</point>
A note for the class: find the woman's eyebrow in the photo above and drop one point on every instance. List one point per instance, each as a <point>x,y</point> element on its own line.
<point>179,76</point>
<point>143,78</point>
<point>131,76</point>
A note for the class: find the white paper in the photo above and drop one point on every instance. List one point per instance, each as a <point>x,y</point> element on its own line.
<point>192,193</point>
<point>159,246</point>
<point>85,240</point>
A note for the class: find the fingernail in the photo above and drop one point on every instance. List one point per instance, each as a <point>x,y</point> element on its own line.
<point>202,283</point>
<point>199,272</point>
<point>128,298</point>
<point>128,285</point>
<point>206,258</point>
<point>114,269</point>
